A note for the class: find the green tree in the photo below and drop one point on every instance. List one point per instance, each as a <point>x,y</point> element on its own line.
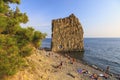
<point>15,42</point>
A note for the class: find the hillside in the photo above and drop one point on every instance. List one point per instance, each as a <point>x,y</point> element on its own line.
<point>43,66</point>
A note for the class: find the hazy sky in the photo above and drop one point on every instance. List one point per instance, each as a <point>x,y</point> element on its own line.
<point>99,18</point>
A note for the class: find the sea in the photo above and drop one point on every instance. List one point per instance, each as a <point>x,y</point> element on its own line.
<point>101,52</point>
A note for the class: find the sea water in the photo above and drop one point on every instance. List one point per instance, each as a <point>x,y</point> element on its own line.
<point>102,52</point>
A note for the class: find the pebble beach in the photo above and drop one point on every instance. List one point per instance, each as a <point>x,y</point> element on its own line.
<point>47,65</point>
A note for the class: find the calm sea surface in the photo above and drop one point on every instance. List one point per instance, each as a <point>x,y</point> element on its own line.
<point>102,52</point>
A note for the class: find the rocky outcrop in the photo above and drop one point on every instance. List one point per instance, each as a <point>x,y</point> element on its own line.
<point>67,34</point>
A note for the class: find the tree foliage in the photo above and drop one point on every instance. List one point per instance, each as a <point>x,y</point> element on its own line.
<point>16,42</point>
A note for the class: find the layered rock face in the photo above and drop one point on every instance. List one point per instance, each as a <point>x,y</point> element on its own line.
<point>67,34</point>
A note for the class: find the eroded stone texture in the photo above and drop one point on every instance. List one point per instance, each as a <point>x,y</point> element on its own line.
<point>67,34</point>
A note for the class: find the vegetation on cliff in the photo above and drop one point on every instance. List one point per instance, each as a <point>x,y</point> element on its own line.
<point>16,42</point>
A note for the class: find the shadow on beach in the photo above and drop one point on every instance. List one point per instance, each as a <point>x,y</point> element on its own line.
<point>73,54</point>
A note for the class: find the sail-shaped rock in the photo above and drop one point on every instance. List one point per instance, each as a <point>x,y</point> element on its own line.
<point>67,34</point>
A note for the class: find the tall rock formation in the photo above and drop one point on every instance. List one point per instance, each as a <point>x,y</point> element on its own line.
<point>67,34</point>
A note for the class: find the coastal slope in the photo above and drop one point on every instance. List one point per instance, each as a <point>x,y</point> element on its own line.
<point>45,65</point>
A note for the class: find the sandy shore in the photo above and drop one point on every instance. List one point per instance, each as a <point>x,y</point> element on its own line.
<point>47,65</point>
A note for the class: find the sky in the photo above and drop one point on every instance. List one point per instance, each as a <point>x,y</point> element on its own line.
<point>99,18</point>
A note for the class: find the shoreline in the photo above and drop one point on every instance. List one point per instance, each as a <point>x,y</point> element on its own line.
<point>81,60</point>
<point>48,65</point>
<point>94,67</point>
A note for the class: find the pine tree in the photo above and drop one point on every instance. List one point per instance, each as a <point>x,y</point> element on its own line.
<point>15,42</point>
